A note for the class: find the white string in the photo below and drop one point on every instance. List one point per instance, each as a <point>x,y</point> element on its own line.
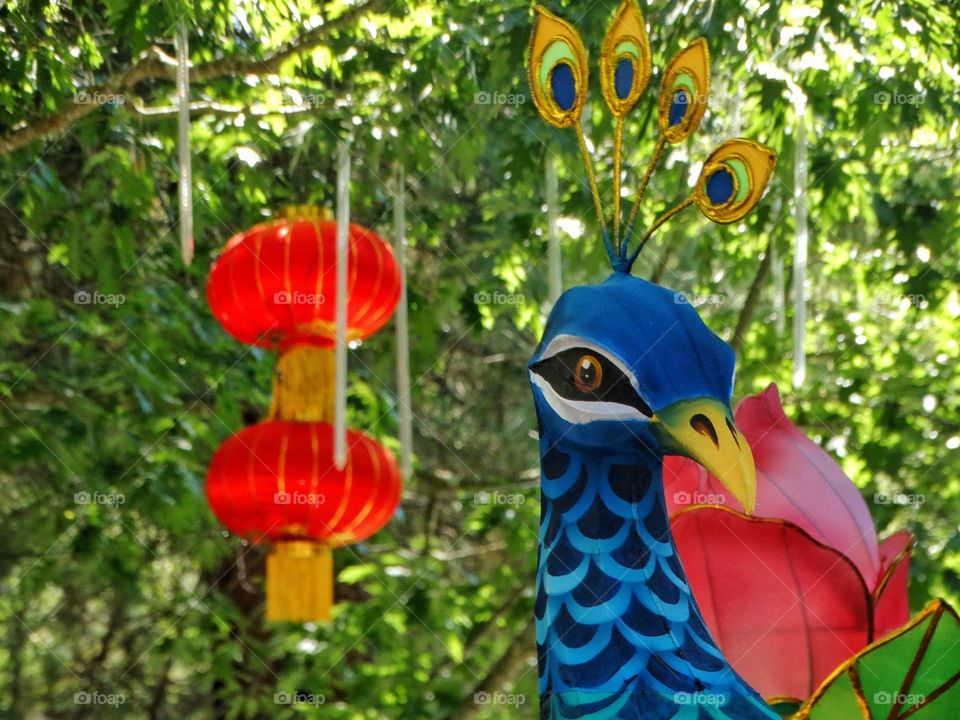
<point>776,271</point>
<point>340,337</point>
<point>802,239</point>
<point>185,186</point>
<point>402,327</point>
<point>554,258</point>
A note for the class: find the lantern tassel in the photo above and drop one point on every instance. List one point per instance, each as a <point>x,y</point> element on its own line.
<point>299,581</point>
<point>303,385</point>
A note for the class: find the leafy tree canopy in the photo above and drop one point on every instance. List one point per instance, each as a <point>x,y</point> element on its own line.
<point>117,384</point>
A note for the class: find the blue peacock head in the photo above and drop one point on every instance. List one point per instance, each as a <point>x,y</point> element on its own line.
<point>627,366</point>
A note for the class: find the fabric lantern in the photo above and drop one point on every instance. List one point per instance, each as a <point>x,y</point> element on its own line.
<point>273,285</point>
<point>276,481</point>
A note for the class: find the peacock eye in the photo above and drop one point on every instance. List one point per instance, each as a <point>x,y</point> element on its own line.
<point>588,374</point>
<point>585,384</point>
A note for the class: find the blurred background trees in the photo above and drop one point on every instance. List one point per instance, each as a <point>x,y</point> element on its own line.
<point>116,384</point>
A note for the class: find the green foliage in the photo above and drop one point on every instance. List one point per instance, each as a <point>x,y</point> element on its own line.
<point>123,399</point>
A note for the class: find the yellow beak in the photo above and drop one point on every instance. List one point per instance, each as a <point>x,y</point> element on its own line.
<point>703,430</point>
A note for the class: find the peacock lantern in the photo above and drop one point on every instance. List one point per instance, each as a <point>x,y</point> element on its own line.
<point>626,374</point>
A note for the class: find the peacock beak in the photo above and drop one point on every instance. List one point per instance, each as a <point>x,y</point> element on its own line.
<point>703,430</point>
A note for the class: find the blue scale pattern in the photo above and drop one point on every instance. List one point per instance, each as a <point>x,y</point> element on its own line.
<point>619,634</point>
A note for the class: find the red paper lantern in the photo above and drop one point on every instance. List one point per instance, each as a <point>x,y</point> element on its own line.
<point>276,480</point>
<point>274,285</point>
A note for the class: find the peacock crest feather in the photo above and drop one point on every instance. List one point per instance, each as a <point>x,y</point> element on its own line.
<point>734,176</point>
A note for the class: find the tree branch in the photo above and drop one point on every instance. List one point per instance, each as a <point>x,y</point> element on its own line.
<point>156,65</point>
<point>209,107</point>
<point>159,695</point>
<point>478,634</point>
<point>503,675</point>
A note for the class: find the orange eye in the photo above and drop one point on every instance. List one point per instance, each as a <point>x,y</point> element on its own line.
<point>588,374</point>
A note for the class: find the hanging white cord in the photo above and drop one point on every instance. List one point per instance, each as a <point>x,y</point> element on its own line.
<point>776,271</point>
<point>554,266</point>
<point>340,338</point>
<point>800,252</point>
<point>185,187</point>
<point>403,330</point>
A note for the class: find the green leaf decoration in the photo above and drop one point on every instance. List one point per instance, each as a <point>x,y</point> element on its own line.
<point>911,673</point>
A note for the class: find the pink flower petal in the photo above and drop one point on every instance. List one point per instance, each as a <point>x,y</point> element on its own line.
<point>891,604</point>
<point>784,609</point>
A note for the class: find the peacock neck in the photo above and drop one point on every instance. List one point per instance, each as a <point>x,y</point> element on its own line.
<point>615,616</point>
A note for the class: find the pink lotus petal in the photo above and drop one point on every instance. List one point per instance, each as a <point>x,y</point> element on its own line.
<point>784,609</point>
<point>891,604</point>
